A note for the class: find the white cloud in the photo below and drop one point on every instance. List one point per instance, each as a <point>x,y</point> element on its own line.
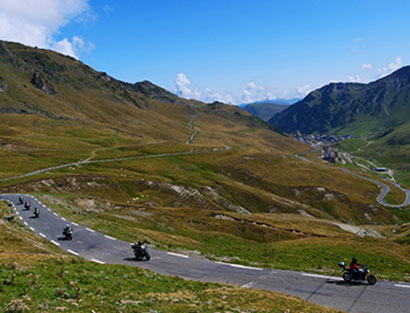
<point>184,88</point>
<point>35,22</point>
<point>386,70</point>
<point>303,90</point>
<point>182,85</point>
<point>253,92</point>
<point>354,78</point>
<point>367,67</point>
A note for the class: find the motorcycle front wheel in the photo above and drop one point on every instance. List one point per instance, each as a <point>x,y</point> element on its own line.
<point>347,277</point>
<point>371,279</point>
<point>147,257</point>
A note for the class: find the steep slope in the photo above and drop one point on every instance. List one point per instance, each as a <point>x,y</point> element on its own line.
<point>264,110</point>
<point>361,109</point>
<point>210,178</point>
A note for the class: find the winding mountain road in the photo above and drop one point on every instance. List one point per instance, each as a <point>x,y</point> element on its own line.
<point>384,187</point>
<point>152,156</point>
<point>384,297</point>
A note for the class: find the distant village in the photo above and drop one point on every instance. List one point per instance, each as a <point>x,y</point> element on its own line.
<point>327,144</point>
<point>324,142</point>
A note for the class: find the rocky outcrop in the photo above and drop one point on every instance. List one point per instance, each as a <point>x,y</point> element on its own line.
<point>3,85</point>
<point>43,84</point>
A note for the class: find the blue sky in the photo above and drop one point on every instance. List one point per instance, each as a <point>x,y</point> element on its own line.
<point>234,51</point>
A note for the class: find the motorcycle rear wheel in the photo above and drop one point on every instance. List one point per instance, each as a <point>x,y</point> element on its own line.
<point>347,277</point>
<point>371,279</point>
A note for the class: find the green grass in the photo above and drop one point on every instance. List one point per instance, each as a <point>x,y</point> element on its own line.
<point>36,276</point>
<point>280,246</point>
<point>79,286</point>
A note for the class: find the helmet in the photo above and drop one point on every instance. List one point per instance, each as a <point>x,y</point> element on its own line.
<point>354,259</point>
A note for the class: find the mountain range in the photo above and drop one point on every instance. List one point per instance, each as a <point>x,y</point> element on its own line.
<point>264,110</point>
<point>351,108</point>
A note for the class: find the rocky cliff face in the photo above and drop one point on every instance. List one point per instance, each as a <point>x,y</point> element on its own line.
<point>3,85</point>
<point>342,105</point>
<point>43,84</point>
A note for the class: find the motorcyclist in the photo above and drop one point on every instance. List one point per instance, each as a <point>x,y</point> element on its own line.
<point>138,246</point>
<point>66,229</point>
<point>21,200</point>
<point>36,212</point>
<point>355,267</point>
<point>27,205</point>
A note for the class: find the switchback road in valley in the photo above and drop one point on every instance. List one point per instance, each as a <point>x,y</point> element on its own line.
<point>332,291</point>
<point>384,187</point>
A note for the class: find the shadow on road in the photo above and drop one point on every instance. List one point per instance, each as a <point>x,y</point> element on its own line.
<point>134,259</point>
<point>348,284</point>
<point>63,238</point>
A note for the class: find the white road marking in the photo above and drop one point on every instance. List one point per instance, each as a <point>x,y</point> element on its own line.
<point>93,231</point>
<point>63,219</point>
<point>42,235</point>
<point>20,217</point>
<point>109,237</point>
<point>249,285</point>
<point>73,252</point>
<point>97,261</point>
<point>74,223</point>
<point>178,255</point>
<point>246,267</point>
<point>25,223</point>
<point>322,276</point>
<point>32,228</point>
<point>18,213</point>
<point>56,243</point>
<point>402,286</point>
<point>55,214</point>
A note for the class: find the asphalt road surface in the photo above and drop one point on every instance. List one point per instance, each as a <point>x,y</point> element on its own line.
<point>332,291</point>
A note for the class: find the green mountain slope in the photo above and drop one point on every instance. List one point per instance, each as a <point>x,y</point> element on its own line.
<point>351,108</point>
<point>218,202</point>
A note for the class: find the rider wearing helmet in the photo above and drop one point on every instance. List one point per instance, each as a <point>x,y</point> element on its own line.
<point>354,266</point>
<point>66,229</point>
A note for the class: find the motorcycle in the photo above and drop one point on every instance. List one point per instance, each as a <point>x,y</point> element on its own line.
<point>68,234</point>
<point>21,201</point>
<point>140,251</point>
<point>36,212</point>
<point>361,274</point>
<point>27,206</point>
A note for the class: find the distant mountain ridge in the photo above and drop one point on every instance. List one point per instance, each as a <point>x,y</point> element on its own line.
<point>45,85</point>
<point>264,110</point>
<point>351,107</point>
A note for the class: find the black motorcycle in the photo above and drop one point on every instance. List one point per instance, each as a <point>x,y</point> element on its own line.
<point>141,251</point>
<point>36,212</point>
<point>27,206</point>
<point>21,201</point>
<point>361,274</point>
<point>68,234</point>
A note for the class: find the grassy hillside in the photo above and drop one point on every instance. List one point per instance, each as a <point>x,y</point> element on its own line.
<point>37,277</point>
<point>351,108</point>
<point>252,194</point>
